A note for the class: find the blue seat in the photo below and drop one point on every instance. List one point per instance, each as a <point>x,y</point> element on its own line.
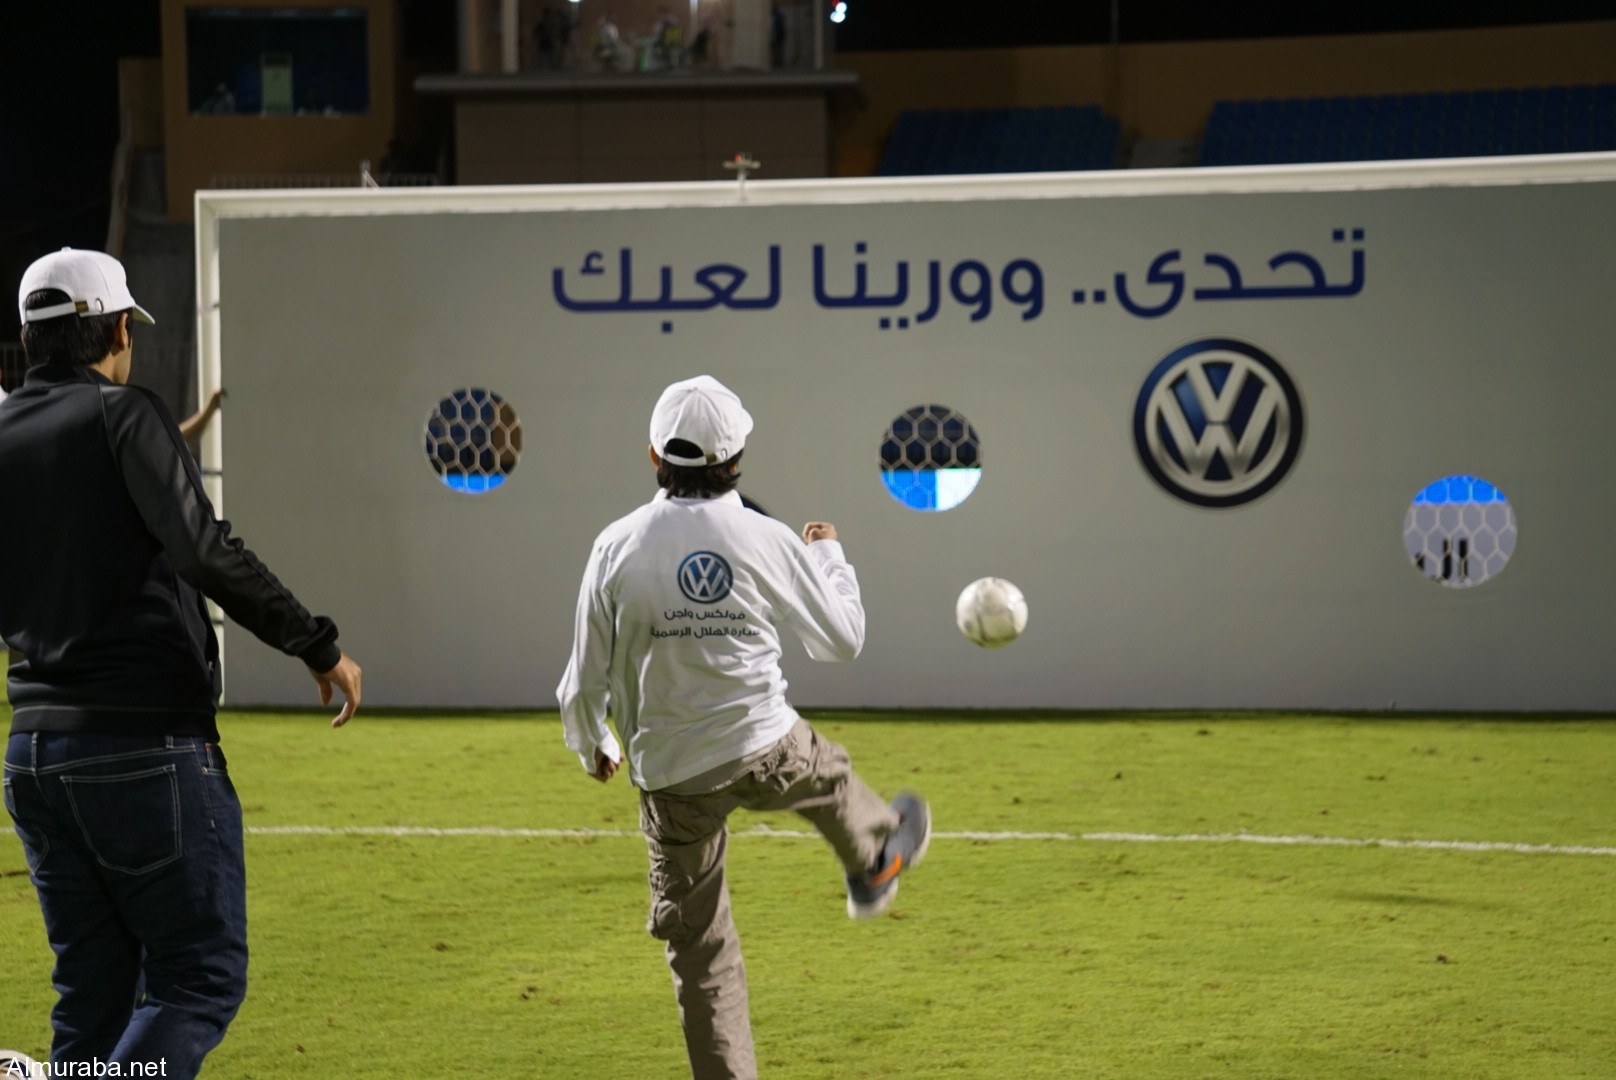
<point>930,142</point>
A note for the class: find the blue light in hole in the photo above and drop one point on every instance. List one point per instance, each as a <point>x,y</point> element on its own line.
<point>1460,488</point>
<point>931,489</point>
<point>475,485</point>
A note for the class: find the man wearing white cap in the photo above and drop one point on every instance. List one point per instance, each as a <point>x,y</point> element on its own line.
<point>678,634</point>
<point>113,773</point>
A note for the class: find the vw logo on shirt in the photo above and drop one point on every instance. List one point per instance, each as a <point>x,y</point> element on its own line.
<point>1218,422</point>
<point>705,577</point>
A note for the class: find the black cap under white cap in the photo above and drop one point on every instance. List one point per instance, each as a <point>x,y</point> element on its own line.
<point>705,413</point>
<point>95,284</point>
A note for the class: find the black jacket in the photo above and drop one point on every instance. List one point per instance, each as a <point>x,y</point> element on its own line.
<point>107,544</point>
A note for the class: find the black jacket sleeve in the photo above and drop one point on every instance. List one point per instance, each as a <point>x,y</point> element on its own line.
<point>166,487</point>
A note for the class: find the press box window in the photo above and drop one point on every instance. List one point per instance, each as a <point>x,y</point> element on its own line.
<point>277,61</point>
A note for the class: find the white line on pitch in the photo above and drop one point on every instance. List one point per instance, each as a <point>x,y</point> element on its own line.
<point>990,837</point>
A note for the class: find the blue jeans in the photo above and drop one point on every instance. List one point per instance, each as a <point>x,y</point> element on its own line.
<point>134,845</point>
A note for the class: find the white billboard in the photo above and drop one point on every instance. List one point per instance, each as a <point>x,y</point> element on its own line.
<point>1303,437</point>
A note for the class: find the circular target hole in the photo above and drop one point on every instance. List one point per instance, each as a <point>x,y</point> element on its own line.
<point>931,458</point>
<point>473,440</point>
<point>1459,531</point>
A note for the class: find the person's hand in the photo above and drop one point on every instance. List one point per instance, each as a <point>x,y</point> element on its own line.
<point>191,427</point>
<point>605,767</point>
<point>818,530</point>
<point>345,677</point>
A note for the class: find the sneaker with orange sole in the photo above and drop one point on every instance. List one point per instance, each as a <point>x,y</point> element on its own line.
<point>870,894</point>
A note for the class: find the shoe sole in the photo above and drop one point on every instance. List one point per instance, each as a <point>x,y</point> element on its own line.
<point>925,842</point>
<point>875,910</point>
<point>871,911</point>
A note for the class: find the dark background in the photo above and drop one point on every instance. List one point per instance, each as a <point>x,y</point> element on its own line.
<point>59,95</point>
<point>880,25</point>
<point>59,121</point>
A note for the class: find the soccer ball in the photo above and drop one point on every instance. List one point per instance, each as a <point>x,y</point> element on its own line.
<point>991,612</point>
<point>15,1063</point>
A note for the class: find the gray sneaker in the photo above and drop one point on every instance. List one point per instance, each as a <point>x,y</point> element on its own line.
<point>870,894</point>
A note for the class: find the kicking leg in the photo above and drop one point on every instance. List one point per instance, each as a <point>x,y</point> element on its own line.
<point>814,777</point>
<point>875,841</point>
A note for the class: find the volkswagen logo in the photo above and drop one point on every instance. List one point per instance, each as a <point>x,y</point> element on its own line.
<point>1218,423</point>
<point>704,577</point>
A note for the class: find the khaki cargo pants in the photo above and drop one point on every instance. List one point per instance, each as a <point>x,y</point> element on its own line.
<point>687,838</point>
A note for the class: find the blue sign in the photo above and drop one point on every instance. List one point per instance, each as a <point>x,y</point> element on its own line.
<point>905,293</point>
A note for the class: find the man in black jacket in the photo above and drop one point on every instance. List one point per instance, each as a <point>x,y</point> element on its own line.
<point>113,773</point>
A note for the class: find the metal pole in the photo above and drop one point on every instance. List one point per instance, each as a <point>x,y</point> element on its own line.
<point>510,36</point>
<point>208,372</point>
<point>819,35</point>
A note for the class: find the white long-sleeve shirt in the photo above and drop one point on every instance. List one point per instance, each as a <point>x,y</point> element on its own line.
<point>678,631</point>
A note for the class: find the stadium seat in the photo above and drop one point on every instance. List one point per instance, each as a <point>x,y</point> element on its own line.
<point>1484,121</point>
<point>1039,139</point>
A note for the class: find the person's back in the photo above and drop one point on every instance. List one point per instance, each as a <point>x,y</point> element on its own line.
<point>98,619</point>
<point>678,632</point>
<point>699,650</point>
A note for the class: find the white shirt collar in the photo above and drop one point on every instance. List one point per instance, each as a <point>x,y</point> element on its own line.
<point>733,498</point>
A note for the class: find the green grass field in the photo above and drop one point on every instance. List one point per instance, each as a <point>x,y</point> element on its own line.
<point>510,956</point>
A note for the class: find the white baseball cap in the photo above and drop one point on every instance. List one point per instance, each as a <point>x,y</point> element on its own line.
<point>704,412</point>
<point>94,282</point>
